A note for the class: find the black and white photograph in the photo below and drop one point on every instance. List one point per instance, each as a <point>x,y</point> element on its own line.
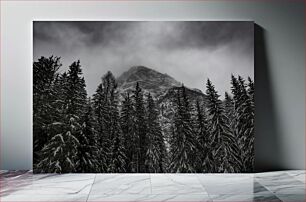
<point>143,97</point>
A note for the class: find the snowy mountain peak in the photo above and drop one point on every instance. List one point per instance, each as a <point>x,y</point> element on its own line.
<point>140,68</point>
<point>149,80</point>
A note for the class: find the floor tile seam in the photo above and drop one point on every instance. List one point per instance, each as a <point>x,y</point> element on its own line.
<point>208,194</point>
<point>91,187</point>
<point>274,194</point>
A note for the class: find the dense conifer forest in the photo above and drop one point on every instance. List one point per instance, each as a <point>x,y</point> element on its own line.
<point>123,132</point>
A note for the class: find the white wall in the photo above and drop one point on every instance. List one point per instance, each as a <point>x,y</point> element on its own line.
<point>280,89</point>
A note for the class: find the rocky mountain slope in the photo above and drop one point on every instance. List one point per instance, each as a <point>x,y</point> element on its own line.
<point>149,80</point>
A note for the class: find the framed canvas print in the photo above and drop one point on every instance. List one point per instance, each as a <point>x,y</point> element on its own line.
<point>143,96</point>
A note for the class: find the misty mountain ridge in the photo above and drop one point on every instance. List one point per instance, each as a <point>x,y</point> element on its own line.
<point>150,81</point>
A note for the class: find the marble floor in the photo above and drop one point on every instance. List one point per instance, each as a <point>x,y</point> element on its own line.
<point>270,186</point>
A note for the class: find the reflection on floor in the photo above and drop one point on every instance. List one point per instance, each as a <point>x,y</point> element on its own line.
<point>271,186</point>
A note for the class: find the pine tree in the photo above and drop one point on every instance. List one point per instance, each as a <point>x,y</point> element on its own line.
<point>129,136</point>
<point>100,125</point>
<point>229,107</point>
<point>238,101</point>
<point>204,159</point>
<point>76,94</point>
<point>224,150</point>
<point>88,149</point>
<point>183,138</point>
<point>251,90</point>
<point>140,129</point>
<point>106,112</point>
<point>66,132</point>
<point>155,161</point>
<point>76,97</point>
<point>244,113</point>
<point>60,93</point>
<point>60,155</point>
<point>173,143</point>
<point>118,158</point>
<point>251,101</point>
<point>45,73</point>
<point>247,130</point>
<point>117,164</point>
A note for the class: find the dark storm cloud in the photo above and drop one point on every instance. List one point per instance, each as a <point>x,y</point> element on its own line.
<point>95,32</point>
<point>209,35</point>
<point>188,51</point>
<point>188,34</point>
<point>41,32</point>
<point>99,33</point>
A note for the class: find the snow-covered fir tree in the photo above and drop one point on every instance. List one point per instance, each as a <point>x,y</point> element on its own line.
<point>61,154</point>
<point>44,102</point>
<point>118,161</point>
<point>99,109</point>
<point>117,157</point>
<point>183,139</point>
<point>128,131</point>
<point>204,159</point>
<point>66,132</point>
<point>251,91</point>
<point>88,149</point>
<point>103,108</point>
<point>245,112</point>
<point>251,101</point>
<point>156,151</point>
<point>230,112</point>
<point>244,126</point>
<point>140,128</point>
<point>250,110</point>
<point>225,150</point>
<point>76,96</point>
<point>229,107</point>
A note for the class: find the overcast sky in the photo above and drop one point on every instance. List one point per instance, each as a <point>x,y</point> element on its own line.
<point>190,52</point>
